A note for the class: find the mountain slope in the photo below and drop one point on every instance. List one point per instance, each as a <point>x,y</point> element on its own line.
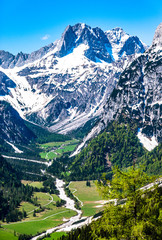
<point>137,96</point>
<point>12,126</point>
<point>116,145</point>
<point>12,193</point>
<point>67,83</point>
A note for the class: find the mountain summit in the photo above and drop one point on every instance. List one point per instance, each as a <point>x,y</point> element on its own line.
<point>67,83</point>
<point>137,96</point>
<point>157,40</point>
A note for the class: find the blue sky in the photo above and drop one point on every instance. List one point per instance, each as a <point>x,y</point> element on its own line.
<point>27,25</point>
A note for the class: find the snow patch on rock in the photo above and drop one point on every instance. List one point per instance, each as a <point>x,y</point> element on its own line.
<point>148,143</point>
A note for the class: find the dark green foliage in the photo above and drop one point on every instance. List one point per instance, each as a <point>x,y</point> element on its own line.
<point>44,136</point>
<point>24,237</point>
<point>49,186</point>
<point>60,203</point>
<point>88,183</point>
<point>83,233</point>
<point>26,166</point>
<point>153,161</point>
<point>70,195</point>
<point>139,216</point>
<point>117,145</point>
<point>34,213</point>
<point>59,166</point>
<point>12,192</point>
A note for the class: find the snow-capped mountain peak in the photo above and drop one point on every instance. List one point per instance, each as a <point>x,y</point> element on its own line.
<point>117,36</point>
<point>123,44</point>
<point>66,83</point>
<point>137,96</point>
<point>157,40</point>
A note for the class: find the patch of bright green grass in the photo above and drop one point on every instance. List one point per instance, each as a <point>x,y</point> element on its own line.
<point>55,197</point>
<point>27,207</point>
<point>88,195</point>
<point>51,155</point>
<point>43,155</point>
<point>89,209</point>
<point>6,234</point>
<point>55,236</point>
<point>85,193</point>
<point>33,184</point>
<point>42,198</point>
<point>65,149</point>
<point>61,147</point>
<point>70,148</point>
<point>37,184</point>
<point>40,224</point>
<point>58,144</point>
<point>33,227</point>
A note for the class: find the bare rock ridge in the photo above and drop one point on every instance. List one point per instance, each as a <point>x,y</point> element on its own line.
<point>67,83</point>
<point>12,127</point>
<point>157,40</point>
<point>138,94</point>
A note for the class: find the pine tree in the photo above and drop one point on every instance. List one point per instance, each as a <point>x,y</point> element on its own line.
<point>136,212</point>
<point>34,213</point>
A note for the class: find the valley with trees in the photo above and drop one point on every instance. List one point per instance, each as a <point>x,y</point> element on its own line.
<point>81,138</point>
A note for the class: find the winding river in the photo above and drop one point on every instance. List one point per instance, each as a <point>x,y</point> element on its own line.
<point>73,222</point>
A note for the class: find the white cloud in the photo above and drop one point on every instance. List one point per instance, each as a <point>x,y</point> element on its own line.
<point>45,37</point>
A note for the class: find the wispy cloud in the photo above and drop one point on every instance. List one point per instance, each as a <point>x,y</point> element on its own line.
<point>45,37</point>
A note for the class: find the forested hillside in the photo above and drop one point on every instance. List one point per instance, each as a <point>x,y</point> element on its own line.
<point>152,161</point>
<point>117,145</point>
<point>12,192</point>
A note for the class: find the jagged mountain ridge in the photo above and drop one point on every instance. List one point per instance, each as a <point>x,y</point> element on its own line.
<point>67,83</point>
<point>138,96</point>
<point>100,43</point>
<point>12,126</point>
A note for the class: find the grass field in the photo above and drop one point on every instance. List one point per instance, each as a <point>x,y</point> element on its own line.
<point>55,236</point>
<point>43,221</point>
<point>58,144</point>
<point>6,234</point>
<point>55,197</point>
<point>27,206</point>
<point>43,198</point>
<point>85,193</point>
<point>33,184</point>
<point>88,195</point>
<point>52,216</point>
<point>56,149</point>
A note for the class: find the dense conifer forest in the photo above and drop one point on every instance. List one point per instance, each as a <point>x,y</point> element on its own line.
<point>117,145</point>
<point>12,192</point>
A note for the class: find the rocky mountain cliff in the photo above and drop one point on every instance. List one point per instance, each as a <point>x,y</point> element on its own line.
<point>138,96</point>
<point>12,127</point>
<point>67,83</point>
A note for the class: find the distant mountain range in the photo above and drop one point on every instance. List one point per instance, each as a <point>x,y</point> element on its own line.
<point>65,84</point>
<point>85,75</point>
<point>138,96</point>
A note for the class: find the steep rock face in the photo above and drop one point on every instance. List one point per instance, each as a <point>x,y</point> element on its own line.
<point>8,60</point>
<point>157,40</point>
<point>124,45</point>
<point>65,84</point>
<point>12,127</point>
<point>5,84</point>
<point>138,94</point>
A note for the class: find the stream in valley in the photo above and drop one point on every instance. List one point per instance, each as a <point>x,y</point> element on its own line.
<point>74,222</point>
